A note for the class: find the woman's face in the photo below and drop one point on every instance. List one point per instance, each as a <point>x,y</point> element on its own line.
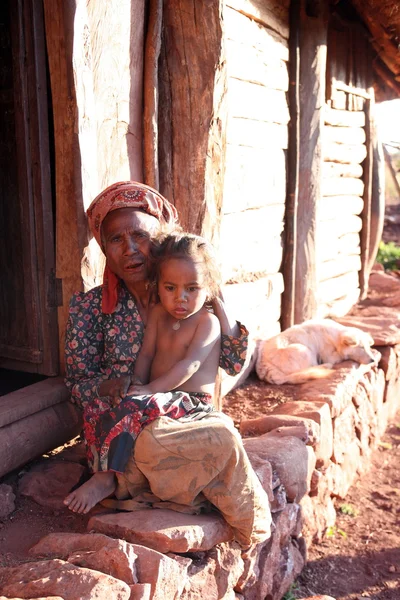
<point>126,235</point>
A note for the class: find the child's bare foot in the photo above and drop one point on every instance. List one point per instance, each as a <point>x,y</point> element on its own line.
<point>98,487</point>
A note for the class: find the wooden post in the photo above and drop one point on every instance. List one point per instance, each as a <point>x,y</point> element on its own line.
<point>192,77</point>
<point>150,94</point>
<point>377,198</point>
<point>291,210</point>
<point>365,234</point>
<point>70,219</point>
<point>313,42</point>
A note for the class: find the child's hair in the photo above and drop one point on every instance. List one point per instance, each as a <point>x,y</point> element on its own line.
<point>179,244</point>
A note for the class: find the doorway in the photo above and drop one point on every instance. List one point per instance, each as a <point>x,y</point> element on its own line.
<point>28,314</point>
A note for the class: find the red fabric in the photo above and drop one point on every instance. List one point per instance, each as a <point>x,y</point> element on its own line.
<point>125,194</point>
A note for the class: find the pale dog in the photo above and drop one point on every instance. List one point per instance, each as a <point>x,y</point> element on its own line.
<point>306,351</point>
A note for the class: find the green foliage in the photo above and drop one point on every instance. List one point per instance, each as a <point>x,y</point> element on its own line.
<point>332,531</point>
<point>349,509</point>
<point>289,594</point>
<point>389,255</point>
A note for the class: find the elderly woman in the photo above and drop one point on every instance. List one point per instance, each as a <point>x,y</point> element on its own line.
<point>180,465</point>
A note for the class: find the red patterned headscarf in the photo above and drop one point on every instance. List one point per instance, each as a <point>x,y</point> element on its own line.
<point>125,194</point>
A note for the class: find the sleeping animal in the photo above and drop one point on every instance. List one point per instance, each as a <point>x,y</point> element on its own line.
<point>306,351</point>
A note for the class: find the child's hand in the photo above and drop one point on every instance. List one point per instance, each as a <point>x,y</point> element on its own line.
<point>115,388</point>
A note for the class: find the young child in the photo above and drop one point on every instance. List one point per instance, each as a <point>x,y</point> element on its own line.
<point>181,346</point>
<point>176,369</point>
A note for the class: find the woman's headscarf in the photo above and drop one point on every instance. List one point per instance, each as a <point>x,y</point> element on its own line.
<point>125,194</point>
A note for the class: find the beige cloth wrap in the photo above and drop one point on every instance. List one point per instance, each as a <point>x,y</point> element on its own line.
<point>188,466</point>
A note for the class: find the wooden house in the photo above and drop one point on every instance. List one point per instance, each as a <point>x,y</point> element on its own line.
<point>254,117</point>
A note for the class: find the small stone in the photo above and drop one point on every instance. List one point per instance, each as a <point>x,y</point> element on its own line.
<point>49,482</point>
<point>7,498</point>
<point>392,569</point>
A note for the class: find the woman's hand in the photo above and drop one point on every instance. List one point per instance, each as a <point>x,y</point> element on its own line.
<point>139,390</point>
<point>115,388</point>
<point>228,326</point>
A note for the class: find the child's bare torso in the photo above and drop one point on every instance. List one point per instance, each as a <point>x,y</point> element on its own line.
<point>172,345</point>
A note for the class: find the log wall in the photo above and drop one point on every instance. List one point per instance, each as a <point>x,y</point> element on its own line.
<point>256,40</point>
<point>344,209</point>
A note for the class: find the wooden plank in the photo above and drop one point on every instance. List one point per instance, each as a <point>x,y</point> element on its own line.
<point>365,235</point>
<point>257,303</point>
<point>332,246</point>
<point>332,169</point>
<point>71,232</point>
<point>262,250</point>
<point>248,32</point>
<point>29,355</point>
<point>273,14</point>
<point>338,287</point>
<point>193,94</point>
<point>256,134</point>
<point>251,64</point>
<point>338,266</point>
<point>349,243</point>
<point>340,306</point>
<point>344,118</point>
<point>256,102</point>
<point>150,94</point>
<point>344,153</point>
<point>342,186</point>
<point>333,207</point>
<point>260,258</point>
<point>313,42</point>
<point>253,178</point>
<point>340,226</point>
<point>344,135</point>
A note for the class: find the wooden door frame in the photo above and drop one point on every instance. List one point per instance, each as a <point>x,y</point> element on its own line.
<point>34,191</point>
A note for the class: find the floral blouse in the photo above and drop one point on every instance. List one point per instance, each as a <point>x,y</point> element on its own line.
<point>103,346</point>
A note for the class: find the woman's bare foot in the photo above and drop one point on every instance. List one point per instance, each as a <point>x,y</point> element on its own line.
<point>98,487</point>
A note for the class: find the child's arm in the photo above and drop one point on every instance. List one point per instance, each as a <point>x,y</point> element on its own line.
<point>141,373</point>
<point>206,335</point>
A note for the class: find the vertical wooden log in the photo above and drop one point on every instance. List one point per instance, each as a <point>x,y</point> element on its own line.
<point>365,234</point>
<point>70,222</point>
<point>313,40</point>
<point>291,210</point>
<point>150,94</point>
<point>377,197</point>
<point>192,124</point>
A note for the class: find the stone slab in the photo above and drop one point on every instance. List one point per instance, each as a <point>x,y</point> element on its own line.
<point>165,530</point>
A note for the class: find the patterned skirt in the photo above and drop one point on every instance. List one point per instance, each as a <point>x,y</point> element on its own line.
<point>110,434</point>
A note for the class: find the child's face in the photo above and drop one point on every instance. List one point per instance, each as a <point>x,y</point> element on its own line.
<point>181,287</point>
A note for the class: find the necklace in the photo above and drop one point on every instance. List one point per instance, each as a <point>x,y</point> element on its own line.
<point>176,325</point>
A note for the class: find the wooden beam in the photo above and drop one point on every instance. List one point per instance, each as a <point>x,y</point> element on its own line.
<point>365,234</point>
<point>313,44</point>
<point>292,201</point>
<point>192,123</point>
<point>70,221</point>
<point>150,94</point>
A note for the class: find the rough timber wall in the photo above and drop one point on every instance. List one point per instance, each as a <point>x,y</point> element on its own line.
<point>256,37</point>
<point>345,191</point>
